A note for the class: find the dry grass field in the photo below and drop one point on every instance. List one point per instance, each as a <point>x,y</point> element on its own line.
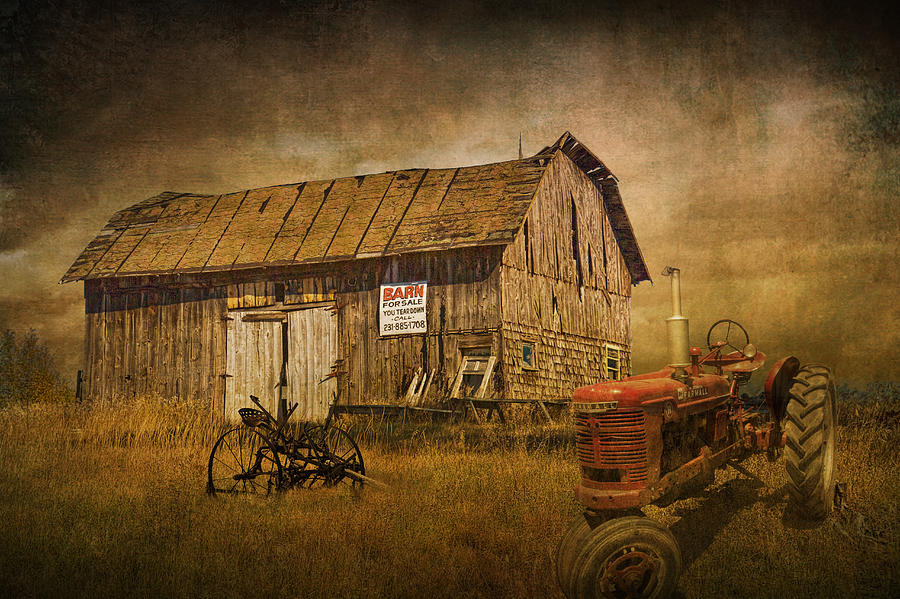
<point>109,501</point>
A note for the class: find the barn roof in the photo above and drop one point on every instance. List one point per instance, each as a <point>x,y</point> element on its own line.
<point>339,219</point>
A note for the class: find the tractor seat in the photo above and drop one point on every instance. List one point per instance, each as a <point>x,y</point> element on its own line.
<point>252,417</point>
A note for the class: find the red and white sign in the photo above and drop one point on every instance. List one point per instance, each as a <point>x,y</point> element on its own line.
<point>401,308</point>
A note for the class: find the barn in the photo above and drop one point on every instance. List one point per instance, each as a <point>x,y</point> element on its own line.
<point>349,290</point>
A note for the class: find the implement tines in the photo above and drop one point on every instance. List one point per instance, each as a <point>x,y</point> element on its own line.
<point>252,417</point>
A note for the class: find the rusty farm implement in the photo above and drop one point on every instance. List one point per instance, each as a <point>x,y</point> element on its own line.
<point>264,454</point>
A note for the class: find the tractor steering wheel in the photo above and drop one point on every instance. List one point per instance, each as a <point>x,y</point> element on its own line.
<point>730,327</point>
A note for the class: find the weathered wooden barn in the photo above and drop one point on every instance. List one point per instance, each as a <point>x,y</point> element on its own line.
<point>342,289</point>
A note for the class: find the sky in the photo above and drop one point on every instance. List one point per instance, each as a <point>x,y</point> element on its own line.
<point>756,144</point>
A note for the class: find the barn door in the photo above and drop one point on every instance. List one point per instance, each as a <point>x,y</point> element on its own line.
<point>254,356</point>
<point>311,353</point>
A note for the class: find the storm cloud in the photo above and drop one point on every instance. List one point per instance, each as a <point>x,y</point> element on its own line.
<point>756,145</point>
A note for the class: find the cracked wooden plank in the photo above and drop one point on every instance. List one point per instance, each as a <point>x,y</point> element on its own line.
<point>423,208</point>
<point>119,252</point>
<point>268,222</point>
<point>241,228</point>
<point>297,222</point>
<point>92,254</point>
<point>180,224</point>
<point>169,235</point>
<point>484,204</point>
<point>385,222</point>
<point>210,231</point>
<point>144,212</point>
<point>328,220</point>
<point>369,194</point>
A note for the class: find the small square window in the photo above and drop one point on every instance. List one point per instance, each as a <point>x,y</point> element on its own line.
<point>615,362</point>
<point>529,355</point>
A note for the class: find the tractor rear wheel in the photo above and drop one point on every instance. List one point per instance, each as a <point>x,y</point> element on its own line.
<point>811,435</point>
<point>626,558</point>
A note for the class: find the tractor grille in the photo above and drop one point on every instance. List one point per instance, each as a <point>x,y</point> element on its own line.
<point>616,441</point>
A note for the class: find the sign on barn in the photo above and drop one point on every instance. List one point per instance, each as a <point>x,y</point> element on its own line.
<point>401,308</point>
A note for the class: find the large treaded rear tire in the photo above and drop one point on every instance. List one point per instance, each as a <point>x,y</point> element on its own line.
<point>811,435</point>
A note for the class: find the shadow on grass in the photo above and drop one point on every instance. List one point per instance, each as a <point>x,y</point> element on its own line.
<point>700,524</point>
<point>792,519</point>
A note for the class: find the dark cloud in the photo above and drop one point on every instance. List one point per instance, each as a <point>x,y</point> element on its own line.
<point>756,143</point>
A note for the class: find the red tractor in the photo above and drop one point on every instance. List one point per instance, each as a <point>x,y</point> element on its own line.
<point>644,439</point>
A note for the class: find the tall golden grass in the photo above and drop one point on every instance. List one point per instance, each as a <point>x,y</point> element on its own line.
<point>108,500</point>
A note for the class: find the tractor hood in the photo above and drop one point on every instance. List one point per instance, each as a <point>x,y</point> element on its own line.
<point>652,389</point>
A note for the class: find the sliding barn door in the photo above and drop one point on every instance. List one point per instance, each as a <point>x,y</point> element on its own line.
<point>254,356</point>
<point>311,353</point>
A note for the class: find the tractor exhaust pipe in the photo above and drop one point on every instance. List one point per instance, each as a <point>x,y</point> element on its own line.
<point>677,327</point>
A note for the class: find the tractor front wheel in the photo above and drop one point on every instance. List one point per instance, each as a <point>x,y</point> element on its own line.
<point>569,546</point>
<point>626,558</point>
<point>811,434</point>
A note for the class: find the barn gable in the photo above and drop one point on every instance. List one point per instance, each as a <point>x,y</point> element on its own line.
<point>366,216</point>
<point>566,288</point>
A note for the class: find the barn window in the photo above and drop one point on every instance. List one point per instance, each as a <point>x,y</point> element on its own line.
<point>477,360</point>
<point>615,362</point>
<point>475,371</point>
<point>529,355</point>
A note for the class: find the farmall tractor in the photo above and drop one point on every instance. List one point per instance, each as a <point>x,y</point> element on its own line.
<point>647,438</point>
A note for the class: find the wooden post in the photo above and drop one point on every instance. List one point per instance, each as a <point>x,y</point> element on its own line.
<point>545,411</point>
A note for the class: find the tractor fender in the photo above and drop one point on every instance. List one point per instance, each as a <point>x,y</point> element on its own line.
<point>778,385</point>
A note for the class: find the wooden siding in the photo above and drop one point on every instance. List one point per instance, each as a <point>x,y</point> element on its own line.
<point>463,302</point>
<point>557,306</point>
<point>549,226</point>
<point>564,363</point>
<point>253,364</point>
<point>311,289</point>
<point>254,294</point>
<point>603,179</point>
<point>544,301</point>
<point>150,341</point>
<point>312,352</point>
<point>186,316</point>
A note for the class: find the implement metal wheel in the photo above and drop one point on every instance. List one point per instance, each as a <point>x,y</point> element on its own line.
<point>243,462</point>
<point>333,453</point>
<point>626,558</point>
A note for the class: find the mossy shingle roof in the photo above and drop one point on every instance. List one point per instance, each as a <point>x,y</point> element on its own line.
<point>338,219</point>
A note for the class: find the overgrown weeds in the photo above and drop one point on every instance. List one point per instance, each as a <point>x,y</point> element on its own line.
<point>109,500</point>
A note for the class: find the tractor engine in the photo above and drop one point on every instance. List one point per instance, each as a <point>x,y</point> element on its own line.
<point>639,438</point>
<point>630,433</point>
